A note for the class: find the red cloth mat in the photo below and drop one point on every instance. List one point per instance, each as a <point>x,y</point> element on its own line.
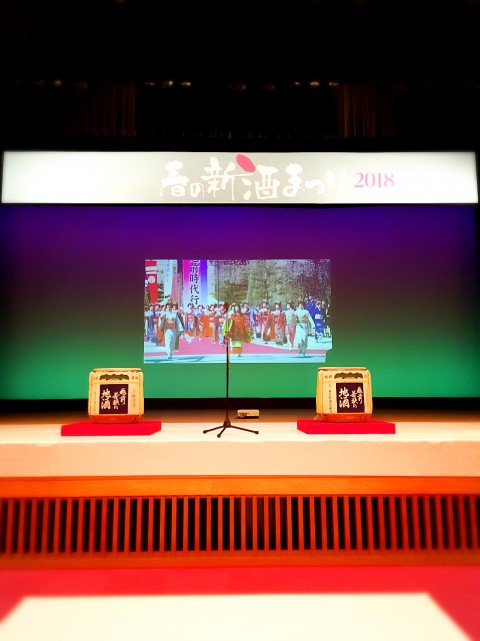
<point>352,427</point>
<point>90,428</point>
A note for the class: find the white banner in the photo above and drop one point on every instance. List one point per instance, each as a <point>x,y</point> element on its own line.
<point>72,177</point>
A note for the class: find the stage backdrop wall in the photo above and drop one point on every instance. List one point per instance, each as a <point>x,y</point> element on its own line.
<point>404,302</point>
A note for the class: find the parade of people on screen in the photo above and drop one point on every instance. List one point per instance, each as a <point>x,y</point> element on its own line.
<point>301,325</point>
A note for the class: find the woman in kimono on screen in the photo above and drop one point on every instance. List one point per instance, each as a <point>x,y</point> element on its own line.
<point>172,327</point>
<point>305,327</point>
<point>276,325</point>
<point>190,323</point>
<point>221,320</point>
<point>261,319</point>
<point>237,330</point>
<point>319,319</point>
<point>291,329</point>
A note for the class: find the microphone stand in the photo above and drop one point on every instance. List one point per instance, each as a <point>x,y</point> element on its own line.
<point>226,423</point>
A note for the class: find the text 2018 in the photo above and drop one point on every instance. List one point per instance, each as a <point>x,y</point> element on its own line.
<point>369,180</point>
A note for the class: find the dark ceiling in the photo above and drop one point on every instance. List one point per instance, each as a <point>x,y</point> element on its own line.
<point>310,70</point>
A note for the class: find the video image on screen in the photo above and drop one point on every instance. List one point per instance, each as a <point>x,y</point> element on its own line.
<point>271,311</point>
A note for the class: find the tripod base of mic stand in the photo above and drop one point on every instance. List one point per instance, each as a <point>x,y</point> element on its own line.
<point>226,425</point>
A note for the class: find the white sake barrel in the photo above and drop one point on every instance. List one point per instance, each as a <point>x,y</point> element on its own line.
<point>344,394</point>
<point>115,395</point>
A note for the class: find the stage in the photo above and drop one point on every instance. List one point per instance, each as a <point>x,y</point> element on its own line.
<point>181,495</point>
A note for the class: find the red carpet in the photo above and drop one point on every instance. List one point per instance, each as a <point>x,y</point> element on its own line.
<point>205,346</point>
<point>456,589</point>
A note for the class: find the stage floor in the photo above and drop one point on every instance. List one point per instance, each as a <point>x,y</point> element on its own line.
<point>443,443</point>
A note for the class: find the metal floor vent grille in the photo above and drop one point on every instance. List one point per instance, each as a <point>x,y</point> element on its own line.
<point>160,527</point>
